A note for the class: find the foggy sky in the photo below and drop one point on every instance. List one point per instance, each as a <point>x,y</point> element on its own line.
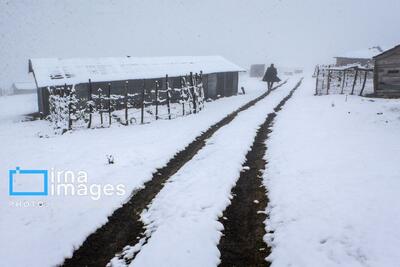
<point>287,32</point>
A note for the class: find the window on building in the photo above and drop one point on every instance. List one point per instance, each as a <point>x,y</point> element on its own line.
<point>393,71</point>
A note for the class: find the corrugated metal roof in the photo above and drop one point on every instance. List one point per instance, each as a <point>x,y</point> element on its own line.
<point>58,71</point>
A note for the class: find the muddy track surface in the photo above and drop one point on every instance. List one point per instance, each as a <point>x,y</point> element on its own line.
<point>242,241</point>
<point>124,226</point>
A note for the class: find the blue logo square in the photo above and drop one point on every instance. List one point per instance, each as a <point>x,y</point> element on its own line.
<point>43,173</point>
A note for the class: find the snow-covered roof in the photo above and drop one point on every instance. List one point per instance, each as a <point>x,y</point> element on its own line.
<point>364,53</point>
<point>350,66</point>
<point>58,71</point>
<point>386,52</point>
<point>24,85</point>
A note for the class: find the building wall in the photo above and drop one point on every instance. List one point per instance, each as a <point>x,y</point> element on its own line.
<point>387,74</point>
<point>218,84</point>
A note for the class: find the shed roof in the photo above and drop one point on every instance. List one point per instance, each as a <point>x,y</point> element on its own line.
<point>384,53</point>
<point>363,53</point>
<point>58,71</point>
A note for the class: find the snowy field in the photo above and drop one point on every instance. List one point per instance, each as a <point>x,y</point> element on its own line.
<point>63,222</point>
<point>333,179</point>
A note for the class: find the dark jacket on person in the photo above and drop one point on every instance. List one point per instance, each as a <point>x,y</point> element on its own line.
<point>271,75</point>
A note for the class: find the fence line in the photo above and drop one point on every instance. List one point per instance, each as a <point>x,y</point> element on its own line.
<point>351,80</point>
<point>68,112</point>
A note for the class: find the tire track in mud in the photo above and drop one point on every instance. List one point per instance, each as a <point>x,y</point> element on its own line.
<point>242,241</point>
<point>124,227</point>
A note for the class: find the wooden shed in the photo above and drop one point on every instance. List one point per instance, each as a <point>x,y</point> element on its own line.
<point>220,76</point>
<point>387,73</point>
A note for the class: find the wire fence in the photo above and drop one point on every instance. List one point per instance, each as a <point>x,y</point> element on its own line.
<point>101,108</point>
<point>353,79</point>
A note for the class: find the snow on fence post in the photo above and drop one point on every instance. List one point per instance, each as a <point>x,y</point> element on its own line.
<point>182,82</point>
<point>188,94</point>
<point>109,103</point>
<point>200,90</point>
<point>354,82</point>
<point>316,81</point>
<point>89,103</point>
<point>142,105</point>
<point>157,87</point>
<point>365,80</point>
<point>168,96</point>
<point>126,102</point>
<point>344,78</point>
<point>193,93</point>
<point>100,105</point>
<point>72,106</point>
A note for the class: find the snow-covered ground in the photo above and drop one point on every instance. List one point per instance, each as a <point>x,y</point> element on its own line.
<point>333,179</point>
<point>44,235</point>
<point>183,217</point>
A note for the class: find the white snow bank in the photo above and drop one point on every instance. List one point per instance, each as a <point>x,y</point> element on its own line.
<point>333,179</point>
<point>183,217</point>
<point>43,236</point>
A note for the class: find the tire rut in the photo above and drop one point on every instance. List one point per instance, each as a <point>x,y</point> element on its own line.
<point>124,226</point>
<point>242,241</point>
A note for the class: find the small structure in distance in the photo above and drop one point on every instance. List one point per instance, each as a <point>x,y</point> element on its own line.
<point>22,88</point>
<point>257,70</point>
<point>362,57</point>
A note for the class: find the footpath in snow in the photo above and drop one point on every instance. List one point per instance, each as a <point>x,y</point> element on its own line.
<point>333,179</point>
<point>183,218</point>
<point>63,222</point>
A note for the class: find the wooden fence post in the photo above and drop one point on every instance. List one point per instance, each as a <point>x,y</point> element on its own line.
<point>101,106</point>
<point>109,103</point>
<point>316,82</point>
<point>365,80</point>
<point>193,93</point>
<point>328,86</point>
<point>126,103</point>
<point>142,105</point>
<point>157,87</point>
<point>354,82</point>
<point>90,103</point>
<point>168,96</point>
<point>68,93</point>
<point>344,78</point>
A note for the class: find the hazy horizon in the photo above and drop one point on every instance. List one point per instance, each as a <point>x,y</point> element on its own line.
<point>286,32</point>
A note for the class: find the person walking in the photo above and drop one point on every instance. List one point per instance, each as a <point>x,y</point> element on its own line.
<point>271,76</point>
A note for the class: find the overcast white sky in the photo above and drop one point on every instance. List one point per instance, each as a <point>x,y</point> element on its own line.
<point>287,32</point>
